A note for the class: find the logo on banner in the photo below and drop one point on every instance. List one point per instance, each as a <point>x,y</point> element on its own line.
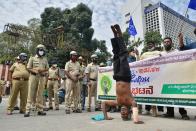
<point>106,84</point>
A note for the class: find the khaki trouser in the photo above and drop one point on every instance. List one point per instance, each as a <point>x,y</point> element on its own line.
<point>79,94</point>
<point>92,91</point>
<point>53,87</point>
<point>35,93</point>
<point>18,87</point>
<point>1,90</point>
<point>71,87</point>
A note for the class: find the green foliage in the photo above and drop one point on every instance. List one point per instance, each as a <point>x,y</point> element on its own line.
<point>77,31</point>
<point>126,36</point>
<point>60,31</point>
<point>152,36</point>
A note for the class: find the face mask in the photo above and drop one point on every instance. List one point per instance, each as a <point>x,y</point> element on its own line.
<point>41,53</point>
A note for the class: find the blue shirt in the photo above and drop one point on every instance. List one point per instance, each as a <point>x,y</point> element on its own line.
<point>189,46</point>
<point>131,59</point>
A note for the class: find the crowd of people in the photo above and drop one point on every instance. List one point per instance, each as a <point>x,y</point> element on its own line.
<point>30,78</point>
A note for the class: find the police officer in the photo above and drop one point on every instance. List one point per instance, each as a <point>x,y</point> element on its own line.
<point>20,76</point>
<point>53,84</point>
<point>92,72</point>
<point>37,66</point>
<point>72,71</point>
<point>83,82</point>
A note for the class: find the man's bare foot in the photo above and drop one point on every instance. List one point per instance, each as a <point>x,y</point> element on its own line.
<point>119,32</point>
<point>114,31</point>
<point>139,122</point>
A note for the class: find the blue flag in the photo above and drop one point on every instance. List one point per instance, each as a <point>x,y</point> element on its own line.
<point>132,30</point>
<point>192,4</point>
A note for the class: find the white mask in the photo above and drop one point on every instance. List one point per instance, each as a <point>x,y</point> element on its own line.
<point>41,53</point>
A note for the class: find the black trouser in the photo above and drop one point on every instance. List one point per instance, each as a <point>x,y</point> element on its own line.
<point>120,64</point>
<point>170,111</point>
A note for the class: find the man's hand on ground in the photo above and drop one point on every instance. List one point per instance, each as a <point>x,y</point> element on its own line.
<point>109,118</point>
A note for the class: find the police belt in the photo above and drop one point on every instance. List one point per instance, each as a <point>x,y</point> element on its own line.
<point>32,73</point>
<point>53,79</point>
<point>92,79</point>
<point>20,79</point>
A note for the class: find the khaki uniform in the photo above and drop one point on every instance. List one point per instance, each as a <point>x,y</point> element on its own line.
<point>71,86</point>
<point>36,83</point>
<point>92,70</point>
<point>52,85</point>
<point>1,87</point>
<point>20,77</point>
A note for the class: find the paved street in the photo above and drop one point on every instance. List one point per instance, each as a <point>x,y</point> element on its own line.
<point>59,121</point>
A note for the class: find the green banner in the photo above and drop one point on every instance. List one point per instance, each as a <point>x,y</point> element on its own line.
<point>167,101</point>
<point>179,89</point>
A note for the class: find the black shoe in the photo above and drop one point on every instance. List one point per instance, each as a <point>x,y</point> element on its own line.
<point>27,114</point>
<point>50,108</point>
<point>78,111</point>
<point>41,113</point>
<point>57,108</point>
<point>16,108</point>
<point>168,116</point>
<point>185,117</point>
<point>67,111</point>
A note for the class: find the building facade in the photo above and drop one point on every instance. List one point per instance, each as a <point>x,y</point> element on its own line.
<point>159,17</point>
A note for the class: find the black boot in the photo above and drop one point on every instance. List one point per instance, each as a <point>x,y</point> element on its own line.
<point>41,113</point>
<point>27,114</point>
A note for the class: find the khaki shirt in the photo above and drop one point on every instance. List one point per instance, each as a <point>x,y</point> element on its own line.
<point>53,73</point>
<point>150,54</point>
<point>38,63</point>
<point>73,68</point>
<point>19,70</point>
<point>92,70</point>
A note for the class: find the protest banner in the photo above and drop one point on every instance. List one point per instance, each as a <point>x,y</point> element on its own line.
<point>167,80</point>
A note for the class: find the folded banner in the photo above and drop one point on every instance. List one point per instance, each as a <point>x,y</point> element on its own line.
<point>168,80</point>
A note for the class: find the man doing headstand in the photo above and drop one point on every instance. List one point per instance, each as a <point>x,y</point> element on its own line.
<point>122,76</point>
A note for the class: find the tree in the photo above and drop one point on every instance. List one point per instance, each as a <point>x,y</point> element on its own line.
<point>152,36</point>
<point>103,55</point>
<point>126,36</point>
<point>36,35</point>
<point>76,35</point>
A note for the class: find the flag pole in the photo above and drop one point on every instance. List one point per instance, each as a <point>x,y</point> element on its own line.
<point>183,21</point>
